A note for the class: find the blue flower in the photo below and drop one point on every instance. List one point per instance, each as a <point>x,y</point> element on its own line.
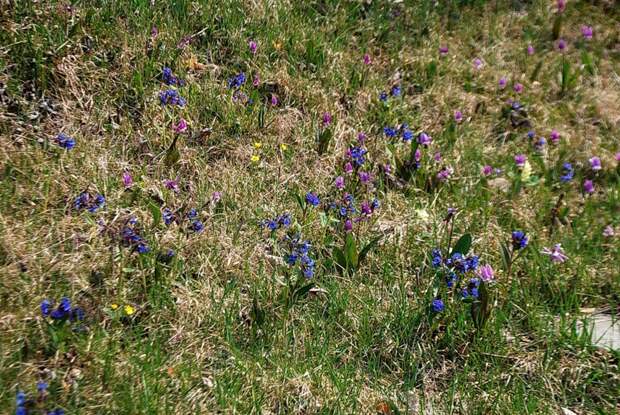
<point>389,132</point>
<point>285,220</point>
<point>46,306</point>
<point>407,134</point>
<point>383,96</point>
<point>77,314</point>
<point>519,240</point>
<point>291,259</point>
<point>436,258</point>
<point>568,171</point>
<point>168,216</point>
<point>171,97</point>
<point>313,199</point>
<point>142,248</point>
<point>451,280</point>
<point>357,155</point>
<point>65,141</point>
<point>41,387</point>
<point>395,91</point>
<point>169,78</point>
<point>438,305</point>
<point>197,226</point>
<point>236,81</point>
<point>20,399</point>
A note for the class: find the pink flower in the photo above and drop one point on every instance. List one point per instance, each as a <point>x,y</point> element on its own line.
<point>556,254</point>
<point>618,157</point>
<point>588,186</point>
<point>256,80</point>
<point>348,168</point>
<point>561,5</point>
<point>180,127</point>
<point>502,83</point>
<point>562,45</point>
<point>518,87</point>
<point>437,156</point>
<point>327,119</point>
<point>530,50</point>
<point>595,163</point>
<point>487,170</point>
<point>478,64</point>
<point>520,160</point>
<point>127,179</point>
<point>172,185</point>
<point>608,232</point>
<point>587,32</point>
<point>458,116</point>
<point>367,60</point>
<point>554,137</point>
<point>253,46</point>
<point>339,183</point>
<point>443,50</point>
<point>361,138</point>
<point>486,273</point>
<point>216,197</point>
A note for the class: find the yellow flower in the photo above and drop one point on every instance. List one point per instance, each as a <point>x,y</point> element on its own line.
<point>258,144</point>
<point>114,306</point>
<point>255,158</point>
<point>283,147</point>
<point>277,45</point>
<point>129,310</point>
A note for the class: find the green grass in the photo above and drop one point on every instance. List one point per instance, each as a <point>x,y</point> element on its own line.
<point>225,326</point>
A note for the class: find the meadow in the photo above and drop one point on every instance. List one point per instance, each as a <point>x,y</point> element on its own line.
<point>308,207</point>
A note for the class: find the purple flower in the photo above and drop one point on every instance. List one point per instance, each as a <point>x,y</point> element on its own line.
<point>502,83</point>
<point>364,177</point>
<point>348,225</point>
<point>253,46</point>
<point>588,186</point>
<point>154,32</point>
<point>367,60</point>
<point>127,179</point>
<point>256,80</point>
<point>172,185</point>
<point>554,137</point>
<point>556,253</point>
<point>327,119</point>
<point>561,45</point>
<point>486,273</point>
<point>339,182</point>
<point>530,49</point>
<point>608,232</point>
<point>437,156</point>
<point>618,157</point>
<point>348,168</point>
<point>424,139</point>
<point>518,87</point>
<point>587,32</point>
<point>274,100</point>
<point>443,50</point>
<point>444,174</point>
<point>540,143</point>
<point>520,160</point>
<point>180,127</point>
<point>478,64</point>
<point>171,97</point>
<point>216,197</point>
<point>595,163</point>
<point>487,170</point>
<point>458,116</point>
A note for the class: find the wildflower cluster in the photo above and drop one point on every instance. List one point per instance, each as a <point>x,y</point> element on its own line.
<point>299,253</point>
<point>130,237</point>
<point>89,202</point>
<point>169,78</point>
<point>282,221</point>
<point>25,405</point>
<point>64,311</point>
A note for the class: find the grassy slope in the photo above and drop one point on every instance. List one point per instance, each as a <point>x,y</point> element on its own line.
<point>193,344</point>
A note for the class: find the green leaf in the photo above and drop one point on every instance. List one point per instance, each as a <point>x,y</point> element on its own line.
<point>368,247</point>
<point>557,26</point>
<point>339,258</point>
<point>261,117</point>
<point>323,218</point>
<point>505,256</point>
<point>480,310</point>
<point>462,245</point>
<point>588,64</point>
<point>536,71</point>
<point>301,201</point>
<point>350,251</point>
<point>258,315</point>
<point>302,292</point>
<point>172,154</point>
<point>325,137</point>
<point>156,213</point>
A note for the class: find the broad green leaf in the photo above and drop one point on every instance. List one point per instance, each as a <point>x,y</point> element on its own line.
<point>350,251</point>
<point>156,213</point>
<point>463,244</point>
